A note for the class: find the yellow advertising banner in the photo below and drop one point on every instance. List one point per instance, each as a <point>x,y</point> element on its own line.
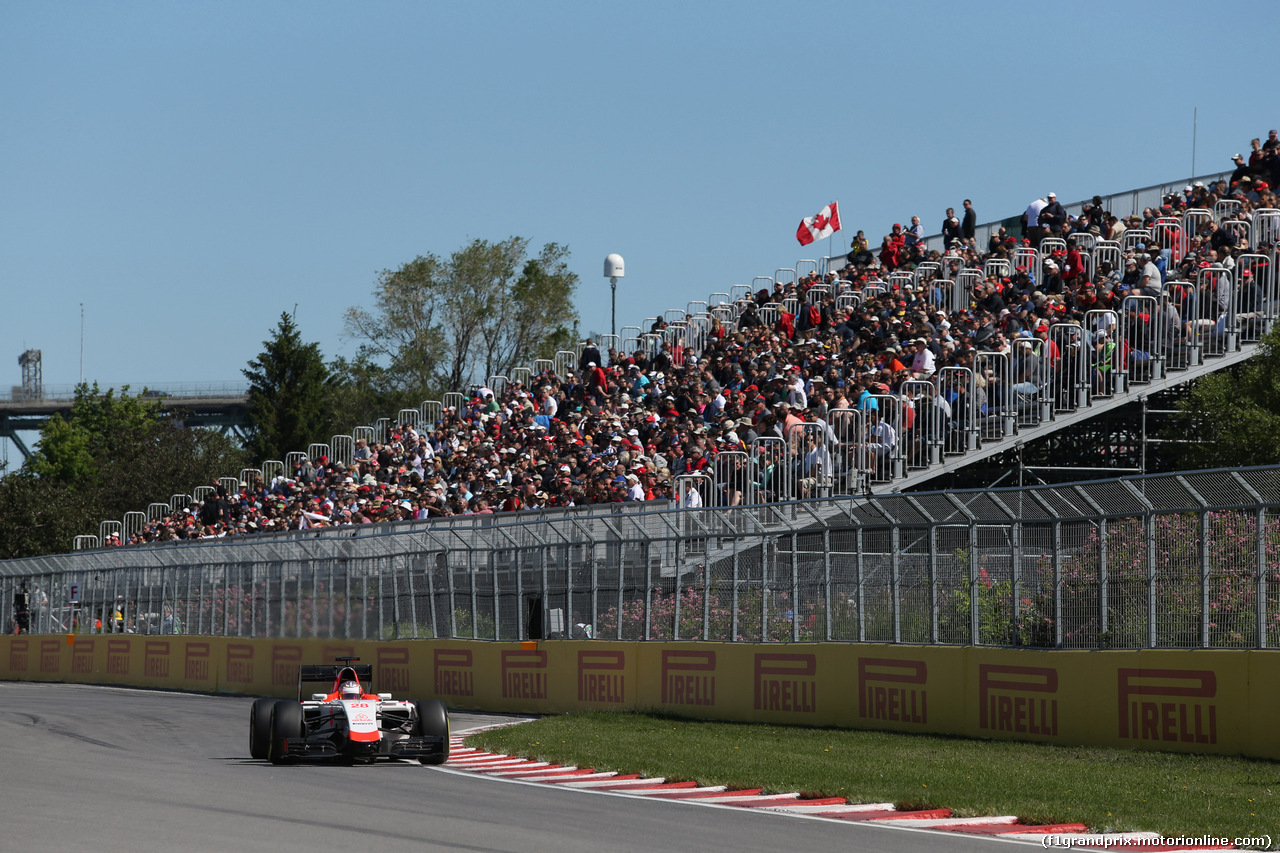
<point>1216,701</point>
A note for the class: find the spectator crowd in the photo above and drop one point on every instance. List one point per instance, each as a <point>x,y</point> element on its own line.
<point>623,426</point>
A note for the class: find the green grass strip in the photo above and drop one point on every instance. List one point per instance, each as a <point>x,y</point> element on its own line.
<point>1105,789</point>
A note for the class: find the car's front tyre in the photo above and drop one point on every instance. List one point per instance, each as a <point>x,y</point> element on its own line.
<point>286,722</point>
<point>433,721</point>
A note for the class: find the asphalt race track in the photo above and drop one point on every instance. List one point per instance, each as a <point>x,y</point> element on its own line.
<point>110,769</point>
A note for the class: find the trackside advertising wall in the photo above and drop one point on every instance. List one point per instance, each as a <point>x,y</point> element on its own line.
<point>1215,701</point>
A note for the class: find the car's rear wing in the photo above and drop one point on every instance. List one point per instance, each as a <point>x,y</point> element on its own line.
<point>327,672</point>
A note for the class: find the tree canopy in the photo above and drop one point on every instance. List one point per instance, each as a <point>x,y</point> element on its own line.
<point>114,453</point>
<point>290,394</point>
<point>1232,417</point>
<point>437,324</point>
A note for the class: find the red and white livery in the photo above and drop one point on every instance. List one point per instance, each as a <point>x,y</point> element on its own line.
<point>349,723</point>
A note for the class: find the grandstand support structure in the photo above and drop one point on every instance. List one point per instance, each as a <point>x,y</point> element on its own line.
<point>988,448</point>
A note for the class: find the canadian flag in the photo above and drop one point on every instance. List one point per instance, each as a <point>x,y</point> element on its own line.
<point>826,223</point>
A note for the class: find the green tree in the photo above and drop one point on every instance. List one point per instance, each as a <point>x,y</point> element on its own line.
<point>1232,417</point>
<point>290,391</point>
<point>113,454</point>
<point>434,323</point>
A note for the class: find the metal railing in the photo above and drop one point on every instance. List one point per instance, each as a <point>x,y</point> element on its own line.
<point>1164,561</point>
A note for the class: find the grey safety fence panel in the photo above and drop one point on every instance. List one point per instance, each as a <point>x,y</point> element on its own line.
<point>925,272</point>
<point>1167,233</point>
<point>1131,238</point>
<point>316,450</point>
<point>1210,326</point>
<point>249,476</point>
<point>885,439</point>
<point>900,279</point>
<point>85,543</point>
<point>1195,223</point>
<point>1050,246</point>
<point>1145,330</point>
<point>1239,229</point>
<point>996,267</point>
<point>1107,365</point>
<point>272,469</point>
<point>957,386</point>
<point>846,302</point>
<point>1085,241</point>
<point>967,284</point>
<point>814,465</point>
<point>762,282</point>
<point>292,460</point>
<point>342,448</point>
<point>926,423</point>
<point>1027,258</point>
<point>382,426</point>
<point>566,361</point>
<point>872,291</point>
<point>199,493</point>
<point>814,295</point>
<point>498,385</point>
<point>1227,207</point>
<point>734,484</point>
<point>455,401</point>
<point>157,511</point>
<point>1255,303</point>
<point>431,412</point>
<point>179,502</point>
<point>943,294</point>
<point>785,276</point>
<point>522,375</point>
<point>993,372</point>
<point>774,468</point>
<point>1107,252</point>
<point>132,524</point>
<point>848,434</point>
<point>806,266</point>
<point>1266,227</point>
<point>1067,367</point>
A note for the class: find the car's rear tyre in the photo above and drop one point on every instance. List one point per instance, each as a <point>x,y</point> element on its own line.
<point>260,728</point>
<point>286,722</point>
<point>433,721</point>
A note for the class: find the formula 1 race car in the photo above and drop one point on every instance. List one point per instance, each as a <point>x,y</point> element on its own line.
<point>347,723</point>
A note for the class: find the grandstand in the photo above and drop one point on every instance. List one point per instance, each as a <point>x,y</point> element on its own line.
<point>858,375</point>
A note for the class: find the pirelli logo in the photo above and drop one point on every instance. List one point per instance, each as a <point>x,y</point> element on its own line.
<point>155,659</point>
<point>50,656</point>
<point>524,674</point>
<point>1019,699</point>
<point>1168,705</point>
<point>393,669</point>
<point>601,677</point>
<point>786,682</point>
<point>197,662</point>
<point>284,665</point>
<point>18,655</point>
<point>82,657</point>
<point>239,663</point>
<point>893,690</point>
<point>453,673</point>
<point>688,677</point>
<point>118,657</point>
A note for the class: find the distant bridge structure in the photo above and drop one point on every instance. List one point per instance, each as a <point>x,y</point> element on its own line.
<point>223,406</point>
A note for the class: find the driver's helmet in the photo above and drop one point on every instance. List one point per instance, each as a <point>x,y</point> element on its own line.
<point>349,690</point>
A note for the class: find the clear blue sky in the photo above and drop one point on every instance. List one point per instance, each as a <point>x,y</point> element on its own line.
<point>190,170</point>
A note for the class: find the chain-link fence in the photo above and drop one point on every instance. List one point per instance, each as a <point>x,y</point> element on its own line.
<point>1167,561</point>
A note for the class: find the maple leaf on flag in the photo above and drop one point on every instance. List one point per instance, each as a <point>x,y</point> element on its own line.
<point>826,223</point>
